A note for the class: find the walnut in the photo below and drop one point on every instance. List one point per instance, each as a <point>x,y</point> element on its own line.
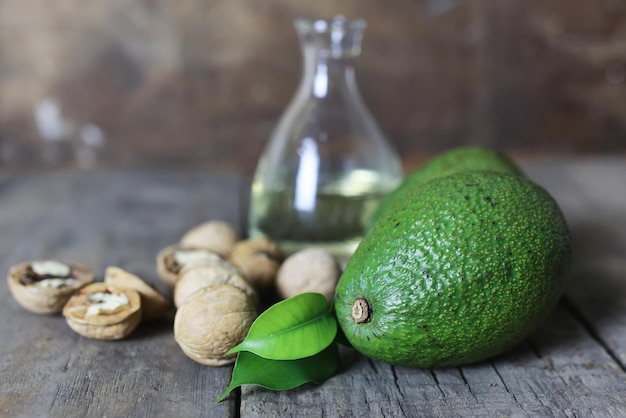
<point>172,259</point>
<point>44,286</point>
<point>103,312</point>
<point>153,304</point>
<point>258,259</point>
<point>198,276</point>
<point>213,320</point>
<point>216,236</point>
<point>308,270</point>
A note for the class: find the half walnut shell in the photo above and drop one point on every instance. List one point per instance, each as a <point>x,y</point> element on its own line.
<point>44,286</point>
<point>171,260</point>
<point>153,304</point>
<point>103,312</point>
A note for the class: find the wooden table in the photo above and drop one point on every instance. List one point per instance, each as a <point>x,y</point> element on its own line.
<point>573,365</point>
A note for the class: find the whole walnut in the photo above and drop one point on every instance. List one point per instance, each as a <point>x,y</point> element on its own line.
<point>213,320</point>
<point>258,259</point>
<point>308,270</point>
<point>198,276</point>
<point>216,236</point>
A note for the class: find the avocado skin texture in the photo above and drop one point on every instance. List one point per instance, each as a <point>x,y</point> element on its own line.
<point>457,271</point>
<point>458,159</point>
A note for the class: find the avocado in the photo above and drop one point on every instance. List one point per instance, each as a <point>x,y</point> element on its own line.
<point>455,160</point>
<point>456,271</point>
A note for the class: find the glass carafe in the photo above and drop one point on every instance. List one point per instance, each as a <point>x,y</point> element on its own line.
<point>327,165</point>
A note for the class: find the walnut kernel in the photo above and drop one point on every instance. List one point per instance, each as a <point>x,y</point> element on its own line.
<point>153,303</point>
<point>44,286</point>
<point>103,312</point>
<point>172,259</point>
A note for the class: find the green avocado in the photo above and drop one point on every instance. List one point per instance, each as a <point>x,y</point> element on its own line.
<point>456,271</point>
<point>449,162</point>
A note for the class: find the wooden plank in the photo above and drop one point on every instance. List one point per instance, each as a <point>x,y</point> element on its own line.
<point>104,219</point>
<point>572,366</point>
<point>566,368</point>
<point>593,196</point>
<point>550,380</point>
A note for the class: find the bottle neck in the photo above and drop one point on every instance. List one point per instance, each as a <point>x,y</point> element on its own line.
<point>329,50</point>
<point>326,75</point>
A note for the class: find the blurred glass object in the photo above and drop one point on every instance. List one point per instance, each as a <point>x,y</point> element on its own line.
<point>55,133</point>
<point>89,146</point>
<point>327,165</point>
<point>65,142</point>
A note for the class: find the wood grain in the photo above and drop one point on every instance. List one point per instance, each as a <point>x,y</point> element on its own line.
<point>104,219</point>
<point>573,365</point>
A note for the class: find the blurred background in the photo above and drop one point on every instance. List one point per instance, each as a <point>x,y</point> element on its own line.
<point>201,83</point>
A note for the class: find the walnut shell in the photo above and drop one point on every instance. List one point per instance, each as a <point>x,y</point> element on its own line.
<point>167,266</point>
<point>216,236</point>
<point>197,276</point>
<point>213,320</point>
<point>258,259</point>
<point>218,261</point>
<point>25,286</point>
<point>108,324</point>
<point>153,304</point>
<point>308,270</point>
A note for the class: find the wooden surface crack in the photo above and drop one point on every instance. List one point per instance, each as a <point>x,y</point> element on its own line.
<point>506,387</point>
<point>570,366</point>
<point>70,356</point>
<point>433,375</point>
<point>588,326</point>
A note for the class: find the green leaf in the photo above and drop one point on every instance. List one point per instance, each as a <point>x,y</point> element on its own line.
<point>251,369</point>
<point>294,328</point>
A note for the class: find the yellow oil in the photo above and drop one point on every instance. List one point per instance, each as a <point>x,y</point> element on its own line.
<point>333,218</point>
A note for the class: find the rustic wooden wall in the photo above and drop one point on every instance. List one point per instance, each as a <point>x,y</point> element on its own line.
<point>202,82</point>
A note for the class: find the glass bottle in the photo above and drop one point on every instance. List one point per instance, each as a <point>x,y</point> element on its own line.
<point>327,164</point>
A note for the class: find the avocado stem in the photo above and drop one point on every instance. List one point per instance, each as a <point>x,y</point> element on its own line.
<point>361,310</point>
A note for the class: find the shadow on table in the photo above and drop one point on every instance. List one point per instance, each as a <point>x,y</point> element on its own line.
<point>596,284</point>
<point>150,329</point>
<point>595,289</point>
